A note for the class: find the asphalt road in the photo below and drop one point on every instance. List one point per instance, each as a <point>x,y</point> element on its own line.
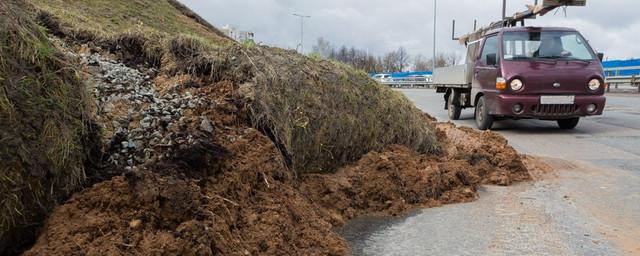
<point>589,204</point>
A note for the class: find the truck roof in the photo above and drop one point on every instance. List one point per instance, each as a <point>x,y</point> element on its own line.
<point>527,29</point>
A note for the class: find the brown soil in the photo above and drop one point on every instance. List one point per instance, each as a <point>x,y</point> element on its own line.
<point>250,207</point>
<point>253,206</point>
<point>398,179</point>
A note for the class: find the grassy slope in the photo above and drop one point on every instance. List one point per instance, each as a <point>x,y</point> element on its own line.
<point>348,114</point>
<point>110,18</point>
<point>42,104</point>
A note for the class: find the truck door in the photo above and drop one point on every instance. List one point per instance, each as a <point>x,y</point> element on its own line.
<point>486,70</point>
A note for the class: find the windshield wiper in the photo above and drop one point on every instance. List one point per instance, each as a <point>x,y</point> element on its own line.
<point>579,60</point>
<point>550,57</point>
<point>564,58</point>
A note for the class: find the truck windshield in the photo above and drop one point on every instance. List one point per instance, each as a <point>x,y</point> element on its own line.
<point>560,45</point>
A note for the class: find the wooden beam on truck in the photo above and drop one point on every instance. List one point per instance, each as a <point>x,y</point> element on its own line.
<point>531,12</point>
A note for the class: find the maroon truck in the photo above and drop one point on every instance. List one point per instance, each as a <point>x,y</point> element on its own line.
<point>526,72</point>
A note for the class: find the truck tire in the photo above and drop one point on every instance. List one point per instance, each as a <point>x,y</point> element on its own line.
<point>568,124</point>
<point>484,121</point>
<point>453,107</point>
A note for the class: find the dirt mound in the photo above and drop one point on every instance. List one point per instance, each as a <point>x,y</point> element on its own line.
<point>254,205</point>
<point>497,162</point>
<point>398,179</point>
<point>249,207</point>
<point>390,183</point>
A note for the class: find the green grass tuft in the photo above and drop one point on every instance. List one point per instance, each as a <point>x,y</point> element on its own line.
<point>42,112</point>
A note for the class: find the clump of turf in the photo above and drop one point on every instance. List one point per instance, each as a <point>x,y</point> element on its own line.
<point>42,117</point>
<point>325,115</point>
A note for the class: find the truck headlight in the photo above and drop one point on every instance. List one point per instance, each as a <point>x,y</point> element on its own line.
<point>516,85</point>
<point>594,84</point>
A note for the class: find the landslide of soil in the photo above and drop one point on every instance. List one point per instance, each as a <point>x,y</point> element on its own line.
<point>212,147</point>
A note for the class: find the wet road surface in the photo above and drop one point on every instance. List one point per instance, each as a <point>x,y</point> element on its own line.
<point>588,205</point>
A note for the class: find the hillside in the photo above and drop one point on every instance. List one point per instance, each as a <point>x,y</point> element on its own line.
<point>153,18</point>
<point>206,146</point>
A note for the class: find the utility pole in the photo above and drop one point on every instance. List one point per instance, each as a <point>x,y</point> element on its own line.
<point>302,17</point>
<point>504,9</point>
<point>433,63</point>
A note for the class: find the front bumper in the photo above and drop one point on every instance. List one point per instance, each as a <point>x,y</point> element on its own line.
<point>531,107</point>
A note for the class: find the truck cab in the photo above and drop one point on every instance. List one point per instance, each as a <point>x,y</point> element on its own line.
<point>526,72</point>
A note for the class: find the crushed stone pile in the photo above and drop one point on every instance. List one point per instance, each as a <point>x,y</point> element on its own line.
<point>142,125</point>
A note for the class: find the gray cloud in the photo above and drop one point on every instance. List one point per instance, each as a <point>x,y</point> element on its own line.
<point>380,25</point>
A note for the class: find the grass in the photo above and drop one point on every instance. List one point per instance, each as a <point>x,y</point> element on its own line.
<point>163,18</point>
<point>325,115</point>
<point>42,112</point>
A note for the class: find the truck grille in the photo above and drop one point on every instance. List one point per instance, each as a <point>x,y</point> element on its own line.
<point>555,110</point>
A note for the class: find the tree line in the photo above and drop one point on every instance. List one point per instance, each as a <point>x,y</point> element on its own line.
<point>395,61</point>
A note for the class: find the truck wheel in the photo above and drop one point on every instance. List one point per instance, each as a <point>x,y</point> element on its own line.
<point>454,109</point>
<point>568,124</point>
<point>484,121</point>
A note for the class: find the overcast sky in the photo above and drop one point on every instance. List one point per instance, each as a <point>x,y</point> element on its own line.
<point>379,26</point>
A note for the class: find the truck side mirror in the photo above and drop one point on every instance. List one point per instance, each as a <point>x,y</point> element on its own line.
<point>600,56</point>
<point>492,59</point>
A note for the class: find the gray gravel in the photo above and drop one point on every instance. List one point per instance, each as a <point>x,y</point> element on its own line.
<point>145,132</point>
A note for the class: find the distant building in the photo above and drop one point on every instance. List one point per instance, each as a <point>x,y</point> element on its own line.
<point>245,36</point>
<point>238,35</point>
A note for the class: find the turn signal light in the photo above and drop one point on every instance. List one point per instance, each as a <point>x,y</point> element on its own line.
<point>501,83</point>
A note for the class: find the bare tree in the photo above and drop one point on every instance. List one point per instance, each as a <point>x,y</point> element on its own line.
<point>421,63</point>
<point>447,59</point>
<point>323,47</point>
<point>395,61</point>
<point>390,62</point>
<point>451,58</point>
<point>402,59</point>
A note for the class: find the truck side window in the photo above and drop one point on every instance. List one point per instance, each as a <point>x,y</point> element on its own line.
<point>472,52</point>
<point>490,51</point>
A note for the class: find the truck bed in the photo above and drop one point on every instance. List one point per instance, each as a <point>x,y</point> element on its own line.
<point>454,77</point>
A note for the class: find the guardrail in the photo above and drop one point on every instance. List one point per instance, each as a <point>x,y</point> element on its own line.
<point>408,84</point>
<point>617,81</point>
<point>623,76</point>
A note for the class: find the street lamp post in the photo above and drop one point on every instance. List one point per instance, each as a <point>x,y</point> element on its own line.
<point>433,63</point>
<point>302,17</point>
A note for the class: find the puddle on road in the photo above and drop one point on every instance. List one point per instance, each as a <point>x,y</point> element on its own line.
<point>358,231</point>
<point>364,233</point>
